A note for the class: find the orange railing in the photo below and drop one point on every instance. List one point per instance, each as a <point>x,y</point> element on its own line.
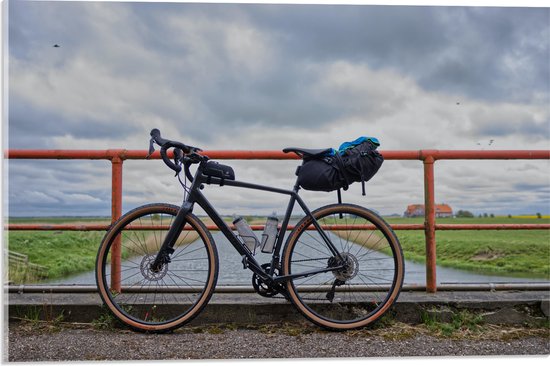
<point>428,157</point>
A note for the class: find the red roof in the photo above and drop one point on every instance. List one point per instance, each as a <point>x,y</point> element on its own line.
<point>442,208</point>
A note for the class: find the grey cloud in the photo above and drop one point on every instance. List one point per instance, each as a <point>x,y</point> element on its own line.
<point>194,84</point>
<point>533,187</point>
<point>509,121</point>
<point>69,208</point>
<point>448,49</point>
<point>492,53</point>
<point>59,187</point>
<point>269,101</point>
<point>26,40</point>
<point>468,51</point>
<point>380,34</point>
<point>519,128</point>
<point>31,128</point>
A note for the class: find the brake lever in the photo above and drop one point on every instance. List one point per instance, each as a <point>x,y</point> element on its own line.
<point>178,157</point>
<point>151,148</point>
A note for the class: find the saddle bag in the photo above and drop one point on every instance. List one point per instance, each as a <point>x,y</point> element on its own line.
<point>320,174</point>
<point>355,161</point>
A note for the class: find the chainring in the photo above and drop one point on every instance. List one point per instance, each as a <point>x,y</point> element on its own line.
<point>263,288</point>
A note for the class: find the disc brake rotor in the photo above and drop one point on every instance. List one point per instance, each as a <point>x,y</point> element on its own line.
<point>148,273</point>
<point>350,269</point>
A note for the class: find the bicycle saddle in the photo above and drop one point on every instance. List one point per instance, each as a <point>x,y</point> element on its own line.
<point>307,153</point>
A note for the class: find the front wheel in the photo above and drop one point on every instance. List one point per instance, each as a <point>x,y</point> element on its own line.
<point>369,262</point>
<point>163,298</point>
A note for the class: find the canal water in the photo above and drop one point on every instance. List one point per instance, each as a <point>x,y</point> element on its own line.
<point>232,273</point>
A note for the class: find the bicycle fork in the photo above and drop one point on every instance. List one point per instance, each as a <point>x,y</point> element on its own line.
<point>167,248</point>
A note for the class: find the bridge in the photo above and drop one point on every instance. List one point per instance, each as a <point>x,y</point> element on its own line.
<point>491,297</point>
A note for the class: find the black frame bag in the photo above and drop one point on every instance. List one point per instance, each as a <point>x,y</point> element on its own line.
<point>358,163</point>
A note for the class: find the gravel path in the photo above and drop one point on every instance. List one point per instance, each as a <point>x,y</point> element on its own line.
<point>28,342</point>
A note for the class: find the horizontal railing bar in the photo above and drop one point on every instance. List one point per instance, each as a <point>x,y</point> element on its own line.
<point>492,226</point>
<point>491,154</point>
<point>512,286</point>
<point>56,227</point>
<point>61,154</point>
<point>104,227</point>
<point>276,154</point>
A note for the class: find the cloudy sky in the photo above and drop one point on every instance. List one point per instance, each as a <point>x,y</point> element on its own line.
<point>240,76</point>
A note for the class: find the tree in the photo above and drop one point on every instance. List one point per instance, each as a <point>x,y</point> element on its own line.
<point>464,213</point>
<point>539,216</point>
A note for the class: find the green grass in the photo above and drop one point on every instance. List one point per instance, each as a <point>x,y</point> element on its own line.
<point>520,253</point>
<point>516,253</point>
<point>460,322</point>
<point>63,252</point>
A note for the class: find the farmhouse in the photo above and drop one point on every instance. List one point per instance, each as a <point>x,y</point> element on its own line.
<point>442,210</point>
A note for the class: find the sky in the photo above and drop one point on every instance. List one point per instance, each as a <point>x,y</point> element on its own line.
<point>264,77</point>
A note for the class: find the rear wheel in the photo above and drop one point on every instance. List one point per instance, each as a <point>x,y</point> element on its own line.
<point>158,299</point>
<point>370,269</point>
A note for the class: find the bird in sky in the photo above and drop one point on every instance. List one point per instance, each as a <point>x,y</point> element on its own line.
<point>482,143</point>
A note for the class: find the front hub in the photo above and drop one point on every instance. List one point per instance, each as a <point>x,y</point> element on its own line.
<point>150,273</point>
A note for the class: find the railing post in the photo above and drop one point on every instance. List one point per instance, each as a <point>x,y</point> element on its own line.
<point>429,224</point>
<point>116,212</point>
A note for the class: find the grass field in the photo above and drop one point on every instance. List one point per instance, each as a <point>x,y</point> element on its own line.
<point>62,252</point>
<point>520,253</point>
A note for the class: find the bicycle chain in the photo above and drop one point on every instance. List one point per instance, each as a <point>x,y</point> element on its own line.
<point>304,260</point>
<point>308,260</point>
<point>303,298</point>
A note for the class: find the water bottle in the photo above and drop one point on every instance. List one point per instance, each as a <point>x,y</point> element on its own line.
<point>270,234</point>
<point>246,234</point>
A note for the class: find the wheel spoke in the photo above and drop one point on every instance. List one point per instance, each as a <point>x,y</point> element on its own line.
<point>166,296</point>
<point>366,279</point>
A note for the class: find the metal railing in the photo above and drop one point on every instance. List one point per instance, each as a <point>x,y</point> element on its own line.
<point>428,157</point>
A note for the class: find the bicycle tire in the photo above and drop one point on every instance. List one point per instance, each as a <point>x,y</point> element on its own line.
<point>162,300</point>
<point>372,275</point>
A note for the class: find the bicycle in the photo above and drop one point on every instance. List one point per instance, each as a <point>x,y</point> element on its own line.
<point>157,266</point>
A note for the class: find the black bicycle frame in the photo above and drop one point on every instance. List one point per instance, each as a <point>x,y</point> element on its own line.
<point>195,196</point>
